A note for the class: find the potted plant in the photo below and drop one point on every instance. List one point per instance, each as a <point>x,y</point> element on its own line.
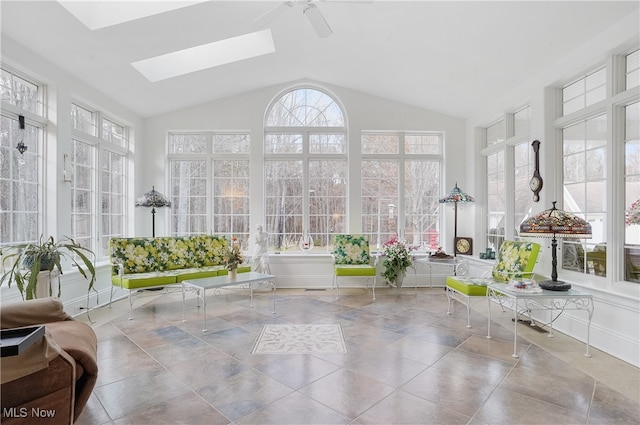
<point>29,259</point>
<point>233,257</point>
<point>397,259</point>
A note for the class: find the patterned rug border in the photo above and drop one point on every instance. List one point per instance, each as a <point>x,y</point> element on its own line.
<point>300,339</point>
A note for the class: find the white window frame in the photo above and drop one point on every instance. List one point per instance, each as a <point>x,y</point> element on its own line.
<point>103,147</point>
<point>286,239</point>
<point>235,206</point>
<point>613,106</point>
<point>34,138</point>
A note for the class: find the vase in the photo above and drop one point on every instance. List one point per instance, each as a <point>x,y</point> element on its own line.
<point>400,279</point>
<point>233,274</point>
<point>43,287</point>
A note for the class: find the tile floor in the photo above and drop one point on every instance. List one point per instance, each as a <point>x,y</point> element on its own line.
<point>408,362</point>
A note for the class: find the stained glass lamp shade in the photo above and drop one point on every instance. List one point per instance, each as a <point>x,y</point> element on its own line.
<point>555,223</point>
<point>153,199</point>
<point>456,195</point>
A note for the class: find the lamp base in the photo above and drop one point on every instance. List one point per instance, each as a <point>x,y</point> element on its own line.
<point>556,285</point>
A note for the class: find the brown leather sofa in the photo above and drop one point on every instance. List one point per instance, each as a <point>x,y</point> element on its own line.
<point>51,381</point>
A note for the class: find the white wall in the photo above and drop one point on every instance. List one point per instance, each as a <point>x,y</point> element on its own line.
<point>616,321</point>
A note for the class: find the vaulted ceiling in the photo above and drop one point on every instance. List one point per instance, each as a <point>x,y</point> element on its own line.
<point>444,56</point>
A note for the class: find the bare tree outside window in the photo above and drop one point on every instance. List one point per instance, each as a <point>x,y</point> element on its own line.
<point>401,185</point>
<point>305,169</point>
<point>209,177</point>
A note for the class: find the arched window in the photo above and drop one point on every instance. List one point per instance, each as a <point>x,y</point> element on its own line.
<point>305,148</point>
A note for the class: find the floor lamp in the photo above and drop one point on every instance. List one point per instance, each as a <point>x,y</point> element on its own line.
<point>456,195</point>
<point>554,223</point>
<point>153,199</point>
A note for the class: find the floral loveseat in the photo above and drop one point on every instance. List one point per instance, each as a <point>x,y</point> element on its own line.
<point>142,263</point>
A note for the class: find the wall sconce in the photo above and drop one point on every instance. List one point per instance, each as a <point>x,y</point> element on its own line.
<point>65,175</point>
<point>22,148</point>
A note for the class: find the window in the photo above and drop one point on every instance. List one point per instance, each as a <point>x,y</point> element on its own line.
<point>401,178</point>
<point>113,133</point>
<point>82,178</point>
<point>22,93</point>
<point>199,207</point>
<point>523,171</point>
<point>20,220</point>
<point>113,177</point>
<point>632,70</point>
<point>305,165</point>
<point>231,187</point>
<point>496,194</point>
<point>20,204</point>
<point>632,193</point>
<point>585,190</point>
<point>596,142</point>
<point>98,176</point>
<point>496,133</point>
<point>585,92</point>
<point>522,122</point>
<point>83,120</point>
<point>509,162</point>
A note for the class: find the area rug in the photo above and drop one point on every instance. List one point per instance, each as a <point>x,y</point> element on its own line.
<point>300,339</point>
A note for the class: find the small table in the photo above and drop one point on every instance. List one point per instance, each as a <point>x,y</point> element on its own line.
<point>217,282</point>
<point>453,265</point>
<point>545,300</point>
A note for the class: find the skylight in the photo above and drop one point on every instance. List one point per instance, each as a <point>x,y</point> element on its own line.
<point>206,56</point>
<point>100,14</point>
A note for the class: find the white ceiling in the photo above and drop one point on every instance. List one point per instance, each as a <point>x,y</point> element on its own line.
<point>444,56</point>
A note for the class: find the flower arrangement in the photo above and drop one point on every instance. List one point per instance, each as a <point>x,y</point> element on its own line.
<point>633,215</point>
<point>233,255</point>
<point>397,259</point>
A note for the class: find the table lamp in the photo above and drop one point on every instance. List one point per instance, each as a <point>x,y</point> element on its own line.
<point>555,223</point>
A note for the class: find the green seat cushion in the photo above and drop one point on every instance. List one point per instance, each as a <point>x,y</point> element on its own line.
<point>355,270</point>
<point>144,280</point>
<point>471,286</point>
<point>198,272</point>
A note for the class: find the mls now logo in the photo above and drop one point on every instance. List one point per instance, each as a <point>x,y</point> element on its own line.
<point>23,412</point>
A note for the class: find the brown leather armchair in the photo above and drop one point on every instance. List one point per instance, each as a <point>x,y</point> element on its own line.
<point>52,380</point>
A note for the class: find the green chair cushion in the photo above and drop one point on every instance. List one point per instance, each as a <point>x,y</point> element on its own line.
<point>354,270</point>
<point>471,286</point>
<point>144,280</point>
<point>198,272</point>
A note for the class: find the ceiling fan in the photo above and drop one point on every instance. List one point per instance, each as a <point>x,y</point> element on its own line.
<point>309,8</point>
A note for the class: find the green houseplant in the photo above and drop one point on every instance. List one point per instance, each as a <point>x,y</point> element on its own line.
<point>29,259</point>
<point>397,259</point>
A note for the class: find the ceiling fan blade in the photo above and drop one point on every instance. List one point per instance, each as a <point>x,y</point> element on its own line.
<point>271,14</point>
<point>318,22</point>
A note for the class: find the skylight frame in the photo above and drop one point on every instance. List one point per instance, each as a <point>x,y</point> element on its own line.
<point>102,14</point>
<point>206,56</point>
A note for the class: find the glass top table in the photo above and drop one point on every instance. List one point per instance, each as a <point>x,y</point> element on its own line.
<point>246,280</point>
<point>523,302</point>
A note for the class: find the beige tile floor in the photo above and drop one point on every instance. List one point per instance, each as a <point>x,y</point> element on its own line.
<point>408,362</point>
